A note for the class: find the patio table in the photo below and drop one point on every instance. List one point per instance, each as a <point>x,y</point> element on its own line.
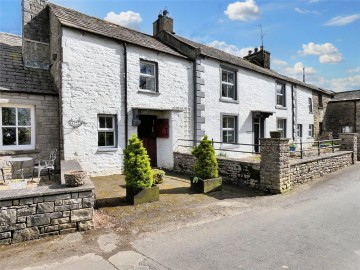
<point>13,160</point>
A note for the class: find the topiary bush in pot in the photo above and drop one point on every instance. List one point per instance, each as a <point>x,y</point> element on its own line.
<point>206,168</point>
<point>138,173</point>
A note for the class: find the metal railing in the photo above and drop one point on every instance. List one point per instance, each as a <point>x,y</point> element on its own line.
<point>316,146</point>
<point>220,148</point>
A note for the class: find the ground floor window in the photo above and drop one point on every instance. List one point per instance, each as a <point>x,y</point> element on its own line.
<point>17,127</point>
<point>299,131</point>
<point>311,131</point>
<point>281,126</point>
<point>229,129</point>
<point>347,129</point>
<point>106,131</point>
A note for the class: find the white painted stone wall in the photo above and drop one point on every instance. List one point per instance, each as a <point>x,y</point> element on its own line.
<point>255,92</point>
<point>303,116</point>
<point>173,100</point>
<point>93,83</point>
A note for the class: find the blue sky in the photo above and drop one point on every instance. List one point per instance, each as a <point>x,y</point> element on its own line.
<point>322,36</point>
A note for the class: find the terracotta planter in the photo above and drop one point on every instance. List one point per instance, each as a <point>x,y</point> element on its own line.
<point>207,185</point>
<point>75,178</point>
<point>139,195</point>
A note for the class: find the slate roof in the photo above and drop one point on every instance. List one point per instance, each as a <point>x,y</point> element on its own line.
<point>238,61</point>
<point>14,77</point>
<point>77,20</point>
<point>346,96</point>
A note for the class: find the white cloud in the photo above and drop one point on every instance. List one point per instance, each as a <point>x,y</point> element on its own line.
<point>243,11</point>
<point>355,70</point>
<point>232,49</point>
<point>328,53</point>
<point>342,20</point>
<point>345,84</point>
<point>305,11</point>
<point>313,1</point>
<point>128,19</point>
<point>278,62</point>
<point>295,71</point>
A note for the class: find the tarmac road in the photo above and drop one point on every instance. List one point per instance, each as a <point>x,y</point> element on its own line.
<point>317,229</point>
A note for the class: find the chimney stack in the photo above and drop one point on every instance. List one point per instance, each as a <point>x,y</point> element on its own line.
<point>163,23</point>
<point>35,33</point>
<point>259,57</point>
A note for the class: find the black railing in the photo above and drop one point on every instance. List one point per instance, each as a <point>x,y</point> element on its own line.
<point>215,143</point>
<point>316,146</point>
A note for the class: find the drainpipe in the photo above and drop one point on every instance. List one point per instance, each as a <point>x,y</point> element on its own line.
<point>293,110</point>
<point>125,94</point>
<point>195,103</point>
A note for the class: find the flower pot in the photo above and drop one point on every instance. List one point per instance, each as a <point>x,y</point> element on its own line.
<point>206,185</point>
<point>142,195</point>
<point>292,148</point>
<point>75,178</point>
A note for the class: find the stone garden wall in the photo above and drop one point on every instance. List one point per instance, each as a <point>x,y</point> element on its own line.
<point>302,171</point>
<point>28,214</point>
<point>231,170</point>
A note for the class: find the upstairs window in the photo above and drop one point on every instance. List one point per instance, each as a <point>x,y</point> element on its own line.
<point>229,129</point>
<point>320,101</point>
<point>280,95</point>
<point>347,129</point>
<point>228,84</point>
<point>106,131</point>
<point>17,128</point>
<point>148,76</point>
<point>310,105</point>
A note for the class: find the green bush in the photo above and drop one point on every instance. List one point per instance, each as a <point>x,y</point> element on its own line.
<point>137,168</point>
<point>206,165</point>
<point>158,176</point>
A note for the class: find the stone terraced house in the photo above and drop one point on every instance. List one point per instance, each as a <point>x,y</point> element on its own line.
<point>84,85</point>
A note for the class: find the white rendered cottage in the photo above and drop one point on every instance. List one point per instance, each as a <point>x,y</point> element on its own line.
<point>241,100</point>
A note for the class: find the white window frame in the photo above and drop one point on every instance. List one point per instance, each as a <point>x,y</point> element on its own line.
<point>228,71</point>
<point>283,128</point>
<point>30,146</point>
<point>347,129</point>
<point>145,75</point>
<point>281,93</point>
<point>311,131</point>
<point>113,130</point>
<point>228,129</point>
<point>310,105</point>
<point>299,130</point>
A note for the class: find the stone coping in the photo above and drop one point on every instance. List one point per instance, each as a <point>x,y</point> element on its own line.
<point>243,160</point>
<point>294,162</point>
<point>56,188</point>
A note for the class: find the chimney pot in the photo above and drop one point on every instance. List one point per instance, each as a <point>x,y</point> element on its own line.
<point>250,52</point>
<point>255,49</point>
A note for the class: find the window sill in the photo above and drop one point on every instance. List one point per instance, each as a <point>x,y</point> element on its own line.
<point>18,152</point>
<point>149,92</point>
<point>110,149</point>
<point>280,107</point>
<point>229,100</point>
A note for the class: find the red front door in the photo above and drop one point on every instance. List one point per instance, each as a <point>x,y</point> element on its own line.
<point>146,133</point>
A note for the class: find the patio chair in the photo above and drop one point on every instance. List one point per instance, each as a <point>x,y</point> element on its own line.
<point>43,164</point>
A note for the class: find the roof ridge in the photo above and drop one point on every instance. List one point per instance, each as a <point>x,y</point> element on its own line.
<point>11,34</point>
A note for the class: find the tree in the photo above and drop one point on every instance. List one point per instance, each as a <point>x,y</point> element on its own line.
<point>137,168</point>
<point>206,165</point>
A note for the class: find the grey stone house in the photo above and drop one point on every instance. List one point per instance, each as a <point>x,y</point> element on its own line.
<point>343,113</point>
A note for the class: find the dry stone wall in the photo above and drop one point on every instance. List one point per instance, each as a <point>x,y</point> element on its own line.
<point>31,214</point>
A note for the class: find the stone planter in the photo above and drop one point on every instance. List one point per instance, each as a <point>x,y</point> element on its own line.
<point>292,148</point>
<point>275,134</point>
<point>207,185</point>
<point>139,195</point>
<point>74,178</point>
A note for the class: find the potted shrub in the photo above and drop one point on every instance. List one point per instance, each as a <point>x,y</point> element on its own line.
<point>158,176</point>
<point>292,146</point>
<point>206,177</point>
<point>138,174</point>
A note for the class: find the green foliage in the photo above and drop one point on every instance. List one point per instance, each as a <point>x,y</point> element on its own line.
<point>137,168</point>
<point>222,154</point>
<point>158,176</point>
<point>206,165</point>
